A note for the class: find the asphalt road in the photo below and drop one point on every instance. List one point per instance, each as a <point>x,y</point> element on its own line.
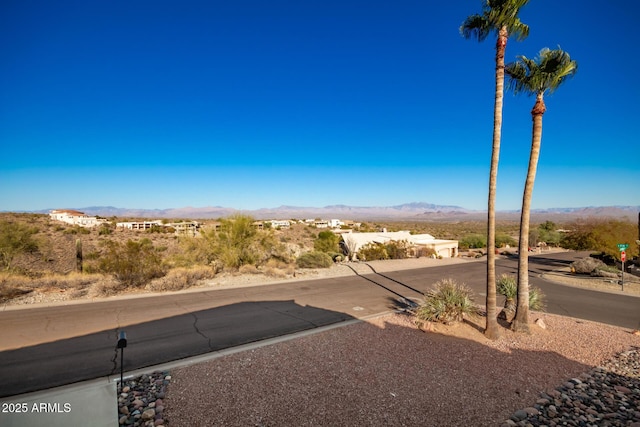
<point>45,347</point>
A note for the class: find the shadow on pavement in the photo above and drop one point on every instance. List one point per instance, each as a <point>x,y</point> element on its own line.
<point>95,355</point>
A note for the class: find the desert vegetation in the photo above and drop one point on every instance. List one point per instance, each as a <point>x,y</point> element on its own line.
<point>448,302</point>
<point>507,286</point>
<point>38,253</point>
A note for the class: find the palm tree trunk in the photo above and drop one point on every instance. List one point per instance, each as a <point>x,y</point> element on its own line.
<point>521,321</point>
<point>491,330</point>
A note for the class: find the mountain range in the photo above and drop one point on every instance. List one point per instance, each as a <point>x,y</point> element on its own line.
<point>417,211</point>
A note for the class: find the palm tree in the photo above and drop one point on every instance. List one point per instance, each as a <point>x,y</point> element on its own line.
<point>534,77</point>
<point>498,17</point>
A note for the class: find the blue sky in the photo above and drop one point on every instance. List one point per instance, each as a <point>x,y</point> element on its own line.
<point>250,104</point>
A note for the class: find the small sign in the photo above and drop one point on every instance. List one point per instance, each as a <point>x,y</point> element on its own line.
<point>622,246</point>
<point>623,256</point>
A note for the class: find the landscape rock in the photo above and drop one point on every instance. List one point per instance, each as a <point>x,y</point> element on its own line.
<point>540,323</point>
<point>143,404</point>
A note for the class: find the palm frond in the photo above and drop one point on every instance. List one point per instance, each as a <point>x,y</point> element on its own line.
<point>543,74</point>
<point>475,26</point>
<point>496,14</point>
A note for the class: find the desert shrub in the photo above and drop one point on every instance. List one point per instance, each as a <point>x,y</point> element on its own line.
<point>195,251</point>
<point>397,250</point>
<point>586,265</point>
<point>314,259</point>
<point>134,263</point>
<point>373,251</point>
<point>545,232</point>
<point>238,242</point>
<point>105,229</point>
<point>277,272</point>
<point>181,278</point>
<point>108,287</point>
<point>503,240</point>
<point>161,229</point>
<point>473,241</point>
<point>76,229</point>
<point>13,286</point>
<point>327,241</point>
<point>275,263</point>
<point>447,303</point>
<point>426,252</point>
<point>248,269</point>
<point>15,239</point>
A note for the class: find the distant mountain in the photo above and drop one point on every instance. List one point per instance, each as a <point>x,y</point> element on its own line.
<point>417,211</point>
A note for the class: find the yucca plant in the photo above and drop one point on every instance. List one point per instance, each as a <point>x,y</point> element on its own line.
<point>508,287</point>
<point>536,299</point>
<point>447,303</point>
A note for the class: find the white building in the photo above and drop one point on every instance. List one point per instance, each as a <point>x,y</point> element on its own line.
<point>139,225</point>
<point>280,223</point>
<point>335,223</point>
<point>72,217</point>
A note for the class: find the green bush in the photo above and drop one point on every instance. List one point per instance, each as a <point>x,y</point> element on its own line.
<point>15,239</point>
<point>545,232</point>
<point>314,259</point>
<point>503,240</point>
<point>473,241</point>
<point>373,252</point>
<point>601,235</point>
<point>327,241</point>
<point>447,303</point>
<point>237,242</point>
<point>133,264</point>
<point>397,250</point>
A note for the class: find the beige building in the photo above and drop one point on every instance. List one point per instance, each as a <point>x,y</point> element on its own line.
<point>416,242</point>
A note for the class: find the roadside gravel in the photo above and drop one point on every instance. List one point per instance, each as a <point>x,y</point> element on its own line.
<point>385,371</point>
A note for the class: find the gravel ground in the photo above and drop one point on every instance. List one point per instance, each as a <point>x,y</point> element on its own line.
<point>386,371</point>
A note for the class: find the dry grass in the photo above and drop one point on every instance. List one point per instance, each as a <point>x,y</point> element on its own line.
<point>181,278</point>
<point>75,284</point>
<point>248,269</point>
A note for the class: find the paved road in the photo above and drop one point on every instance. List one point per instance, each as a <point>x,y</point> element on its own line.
<point>45,347</point>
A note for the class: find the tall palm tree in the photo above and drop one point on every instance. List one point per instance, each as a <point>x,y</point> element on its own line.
<point>498,17</point>
<point>534,77</point>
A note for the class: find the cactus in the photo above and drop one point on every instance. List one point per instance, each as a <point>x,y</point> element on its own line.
<point>79,255</point>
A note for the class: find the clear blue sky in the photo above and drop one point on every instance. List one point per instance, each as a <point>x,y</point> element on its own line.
<point>250,104</point>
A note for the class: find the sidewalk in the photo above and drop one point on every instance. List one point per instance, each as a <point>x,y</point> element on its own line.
<point>88,403</point>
